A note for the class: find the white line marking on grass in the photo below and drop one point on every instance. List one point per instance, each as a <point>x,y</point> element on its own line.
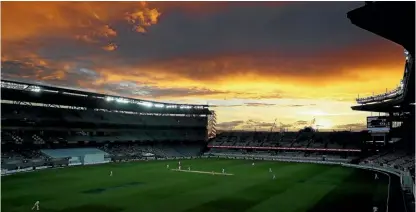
<point>203,172</point>
<point>388,189</point>
<point>388,193</point>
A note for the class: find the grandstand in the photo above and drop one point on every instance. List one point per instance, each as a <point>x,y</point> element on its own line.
<point>392,141</point>
<point>306,144</point>
<point>39,117</point>
<point>391,136</point>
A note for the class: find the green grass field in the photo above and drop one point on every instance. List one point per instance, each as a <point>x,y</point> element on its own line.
<point>150,186</point>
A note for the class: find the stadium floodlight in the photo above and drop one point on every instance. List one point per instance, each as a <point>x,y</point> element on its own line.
<point>121,100</point>
<point>159,105</point>
<point>185,107</point>
<point>147,104</point>
<point>35,89</point>
<point>406,54</point>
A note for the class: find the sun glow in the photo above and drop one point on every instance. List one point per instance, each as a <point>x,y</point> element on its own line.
<point>323,124</point>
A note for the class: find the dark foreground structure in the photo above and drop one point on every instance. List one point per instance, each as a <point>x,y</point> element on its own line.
<point>36,118</point>
<point>394,133</point>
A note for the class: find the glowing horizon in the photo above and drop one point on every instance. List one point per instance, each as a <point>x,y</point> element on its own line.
<point>290,61</point>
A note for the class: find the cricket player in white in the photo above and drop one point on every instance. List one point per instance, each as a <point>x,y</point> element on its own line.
<point>270,170</point>
<point>375,209</point>
<point>167,166</point>
<point>376,177</point>
<point>223,171</point>
<point>111,173</point>
<point>274,177</point>
<point>179,167</point>
<point>179,163</point>
<point>189,168</point>
<point>36,205</point>
<point>252,164</point>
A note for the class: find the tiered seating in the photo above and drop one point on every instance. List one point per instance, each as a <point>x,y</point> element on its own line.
<point>19,155</point>
<point>293,155</point>
<point>98,117</point>
<point>137,135</point>
<point>287,139</point>
<point>71,152</point>
<point>160,150</point>
<point>37,139</point>
<point>272,139</point>
<point>397,159</point>
<point>6,137</point>
<point>17,139</point>
<point>11,155</point>
<point>302,139</point>
<point>220,139</point>
<point>188,150</point>
<point>242,141</point>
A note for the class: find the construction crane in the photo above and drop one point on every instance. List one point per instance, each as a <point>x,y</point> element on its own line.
<point>273,126</point>
<point>313,122</point>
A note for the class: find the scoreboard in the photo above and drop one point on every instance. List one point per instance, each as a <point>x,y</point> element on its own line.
<point>378,123</point>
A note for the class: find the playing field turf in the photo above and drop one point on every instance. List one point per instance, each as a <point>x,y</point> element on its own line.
<point>150,186</point>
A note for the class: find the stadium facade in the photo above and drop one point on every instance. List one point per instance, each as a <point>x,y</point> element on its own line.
<point>38,117</point>
<point>398,125</point>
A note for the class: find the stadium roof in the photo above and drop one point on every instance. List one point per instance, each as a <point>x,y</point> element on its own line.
<point>385,107</point>
<point>36,93</point>
<point>392,20</point>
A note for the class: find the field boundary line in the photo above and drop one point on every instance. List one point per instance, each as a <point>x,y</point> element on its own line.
<point>202,172</point>
<point>386,172</point>
<point>388,187</point>
<point>388,193</point>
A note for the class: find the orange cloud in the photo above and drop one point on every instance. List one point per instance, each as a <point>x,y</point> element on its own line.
<point>328,79</point>
<point>333,75</point>
<point>143,18</point>
<point>339,74</point>
<point>84,21</point>
<point>110,47</point>
<point>343,73</point>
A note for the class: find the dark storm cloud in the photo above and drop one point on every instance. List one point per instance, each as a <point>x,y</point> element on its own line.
<point>27,70</point>
<point>305,41</point>
<point>298,29</point>
<point>136,89</point>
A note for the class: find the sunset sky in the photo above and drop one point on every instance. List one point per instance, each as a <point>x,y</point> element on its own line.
<point>254,62</point>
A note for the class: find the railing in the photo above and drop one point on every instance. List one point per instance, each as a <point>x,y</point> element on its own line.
<point>393,94</point>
